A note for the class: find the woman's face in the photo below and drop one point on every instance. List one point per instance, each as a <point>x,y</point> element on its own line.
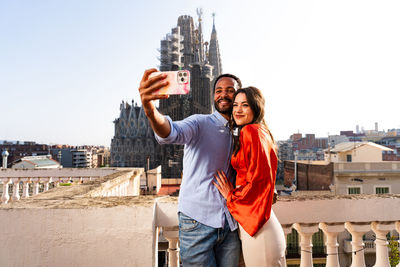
<point>242,113</point>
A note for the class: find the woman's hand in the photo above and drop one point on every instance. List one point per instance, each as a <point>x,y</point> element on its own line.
<point>224,186</point>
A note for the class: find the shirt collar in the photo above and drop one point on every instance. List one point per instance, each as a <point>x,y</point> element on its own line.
<point>220,118</point>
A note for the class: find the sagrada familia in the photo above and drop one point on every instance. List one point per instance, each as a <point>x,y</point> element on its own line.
<point>133,144</point>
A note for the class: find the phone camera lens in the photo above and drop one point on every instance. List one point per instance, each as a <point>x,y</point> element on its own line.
<point>182,79</point>
<point>180,74</point>
<point>185,74</point>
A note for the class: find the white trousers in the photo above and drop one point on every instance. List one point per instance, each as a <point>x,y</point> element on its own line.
<point>267,247</point>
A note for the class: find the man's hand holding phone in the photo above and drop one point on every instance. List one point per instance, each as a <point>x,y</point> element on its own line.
<point>147,88</point>
<point>178,82</point>
<point>159,85</point>
<point>149,85</point>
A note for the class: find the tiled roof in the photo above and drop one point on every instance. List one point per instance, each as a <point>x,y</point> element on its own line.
<point>39,161</point>
<point>347,146</point>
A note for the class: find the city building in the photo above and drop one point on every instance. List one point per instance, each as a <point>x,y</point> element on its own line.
<point>356,152</point>
<point>36,162</point>
<point>82,158</point>
<point>103,157</point>
<point>133,144</point>
<point>20,149</point>
<point>393,142</point>
<point>63,154</point>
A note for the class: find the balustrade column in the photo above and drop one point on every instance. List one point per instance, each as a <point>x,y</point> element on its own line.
<point>357,231</point>
<point>35,185</point>
<point>381,243</point>
<point>306,231</point>
<point>15,196</point>
<point>25,187</point>
<point>5,196</point>
<point>173,250</point>
<point>126,188</point>
<point>331,232</point>
<point>47,182</point>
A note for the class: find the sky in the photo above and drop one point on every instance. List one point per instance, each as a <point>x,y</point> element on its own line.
<point>323,66</point>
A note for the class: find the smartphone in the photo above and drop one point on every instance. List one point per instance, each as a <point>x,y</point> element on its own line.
<point>179,82</point>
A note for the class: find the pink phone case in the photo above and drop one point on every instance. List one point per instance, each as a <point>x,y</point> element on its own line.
<point>179,82</point>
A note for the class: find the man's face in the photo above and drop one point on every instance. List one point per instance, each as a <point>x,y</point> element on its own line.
<point>223,95</point>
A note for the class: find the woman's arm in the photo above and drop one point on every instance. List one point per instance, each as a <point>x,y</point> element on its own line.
<point>250,204</point>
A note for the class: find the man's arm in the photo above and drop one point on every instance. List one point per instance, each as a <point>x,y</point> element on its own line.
<point>147,86</point>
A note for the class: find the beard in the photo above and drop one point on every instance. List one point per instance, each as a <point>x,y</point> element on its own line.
<point>225,110</point>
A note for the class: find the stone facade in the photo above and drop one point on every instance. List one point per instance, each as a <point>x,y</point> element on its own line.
<point>183,48</point>
<point>133,143</point>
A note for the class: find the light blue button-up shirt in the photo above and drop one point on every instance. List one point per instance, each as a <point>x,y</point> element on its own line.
<point>208,148</point>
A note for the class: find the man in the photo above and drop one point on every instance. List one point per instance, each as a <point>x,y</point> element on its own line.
<point>207,232</point>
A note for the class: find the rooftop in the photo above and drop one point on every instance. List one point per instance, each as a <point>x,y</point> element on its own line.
<point>347,146</point>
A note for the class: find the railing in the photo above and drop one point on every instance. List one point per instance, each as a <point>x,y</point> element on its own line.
<point>332,214</point>
<point>33,180</point>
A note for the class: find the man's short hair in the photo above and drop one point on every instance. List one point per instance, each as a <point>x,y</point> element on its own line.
<point>228,75</point>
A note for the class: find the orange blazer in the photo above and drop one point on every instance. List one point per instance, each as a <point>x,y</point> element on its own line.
<point>256,163</point>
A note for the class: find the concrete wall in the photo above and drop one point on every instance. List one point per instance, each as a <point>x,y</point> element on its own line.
<point>154,177</point>
<point>367,176</point>
<point>117,236</point>
<point>368,182</point>
<point>309,176</point>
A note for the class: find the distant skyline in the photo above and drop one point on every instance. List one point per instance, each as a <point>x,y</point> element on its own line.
<point>323,66</point>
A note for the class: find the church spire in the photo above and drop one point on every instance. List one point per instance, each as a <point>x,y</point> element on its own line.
<point>199,12</point>
<point>214,55</point>
<point>213,29</point>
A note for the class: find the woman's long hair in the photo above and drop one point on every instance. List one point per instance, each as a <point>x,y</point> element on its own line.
<point>256,102</point>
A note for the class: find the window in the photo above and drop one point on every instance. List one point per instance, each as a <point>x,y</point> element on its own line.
<point>348,158</point>
<point>354,190</point>
<point>382,190</point>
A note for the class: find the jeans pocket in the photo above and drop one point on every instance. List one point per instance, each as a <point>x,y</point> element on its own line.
<point>186,223</point>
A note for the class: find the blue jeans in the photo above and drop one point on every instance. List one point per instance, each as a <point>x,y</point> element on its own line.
<point>202,245</point>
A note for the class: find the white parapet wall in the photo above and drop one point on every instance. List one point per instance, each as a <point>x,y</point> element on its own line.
<point>100,223</point>
<point>121,235</point>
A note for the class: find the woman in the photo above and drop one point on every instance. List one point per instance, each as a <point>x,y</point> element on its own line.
<point>255,160</point>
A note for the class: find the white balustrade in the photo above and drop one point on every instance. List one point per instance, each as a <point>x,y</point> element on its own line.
<point>35,185</point>
<point>47,182</point>
<point>381,230</point>
<point>56,176</point>
<point>331,232</point>
<point>25,187</point>
<point>172,235</point>
<point>5,196</point>
<point>306,231</point>
<point>15,196</point>
<point>357,231</point>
